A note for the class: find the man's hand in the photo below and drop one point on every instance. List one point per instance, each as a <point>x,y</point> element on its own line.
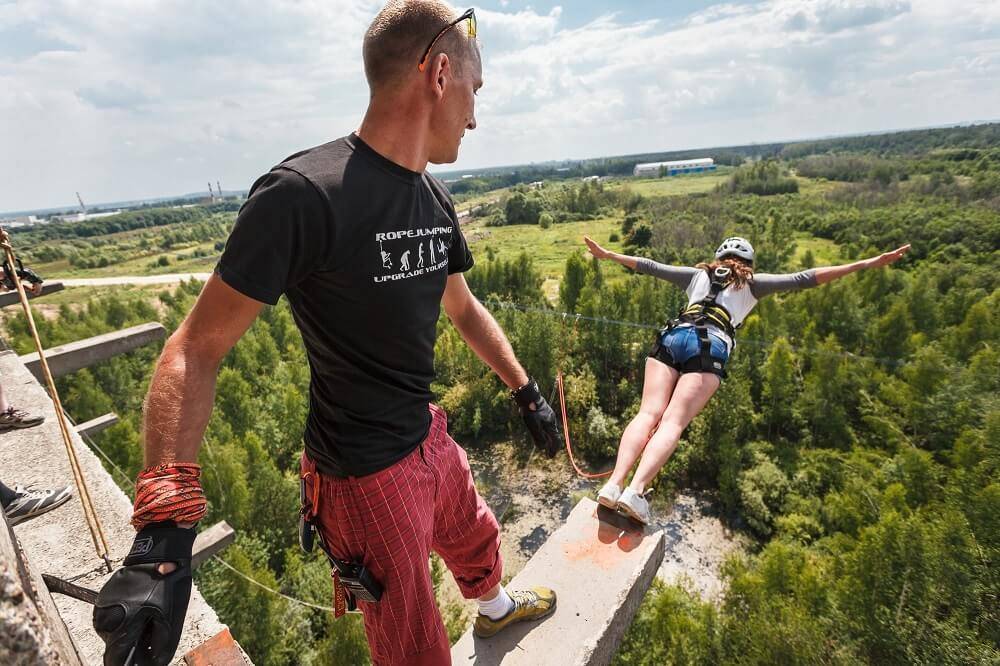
<point>140,610</point>
<point>538,416</point>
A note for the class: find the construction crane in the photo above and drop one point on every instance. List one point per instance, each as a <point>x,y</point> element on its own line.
<point>211,195</point>
<point>83,207</point>
<point>218,188</point>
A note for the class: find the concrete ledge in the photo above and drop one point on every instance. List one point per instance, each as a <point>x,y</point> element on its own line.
<point>94,426</point>
<point>211,542</point>
<point>11,297</point>
<point>74,356</point>
<point>58,542</point>
<point>600,575</point>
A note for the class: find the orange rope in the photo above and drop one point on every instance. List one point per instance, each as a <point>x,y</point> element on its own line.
<point>569,447</point>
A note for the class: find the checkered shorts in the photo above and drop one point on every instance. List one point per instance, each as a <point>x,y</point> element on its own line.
<point>391,520</point>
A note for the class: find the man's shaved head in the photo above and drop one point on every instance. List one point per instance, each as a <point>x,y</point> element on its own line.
<point>397,37</point>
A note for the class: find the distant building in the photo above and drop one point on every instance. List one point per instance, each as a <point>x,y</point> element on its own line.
<point>537,185</point>
<point>21,221</point>
<point>591,179</point>
<point>80,217</point>
<point>674,168</point>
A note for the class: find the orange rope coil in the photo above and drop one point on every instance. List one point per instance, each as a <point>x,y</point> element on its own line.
<point>169,492</point>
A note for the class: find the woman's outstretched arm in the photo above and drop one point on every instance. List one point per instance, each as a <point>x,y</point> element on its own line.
<point>831,273</point>
<point>600,253</point>
<point>678,275</point>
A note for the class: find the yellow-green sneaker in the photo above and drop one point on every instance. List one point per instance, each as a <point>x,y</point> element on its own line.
<point>533,604</point>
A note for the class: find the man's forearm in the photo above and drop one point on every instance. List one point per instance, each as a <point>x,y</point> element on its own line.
<point>178,405</point>
<point>483,334</point>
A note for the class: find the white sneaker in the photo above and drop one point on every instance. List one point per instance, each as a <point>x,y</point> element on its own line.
<point>608,495</point>
<point>635,506</point>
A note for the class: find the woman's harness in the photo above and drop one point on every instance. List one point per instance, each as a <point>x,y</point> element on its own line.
<point>706,312</point>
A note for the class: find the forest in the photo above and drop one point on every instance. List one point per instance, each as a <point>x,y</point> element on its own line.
<point>856,442</point>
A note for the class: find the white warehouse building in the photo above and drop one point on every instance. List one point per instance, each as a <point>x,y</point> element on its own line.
<point>676,167</point>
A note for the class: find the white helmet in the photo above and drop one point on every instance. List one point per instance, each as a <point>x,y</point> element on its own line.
<point>735,246</point>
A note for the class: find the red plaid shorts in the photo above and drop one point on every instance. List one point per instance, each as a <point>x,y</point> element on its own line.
<point>391,520</point>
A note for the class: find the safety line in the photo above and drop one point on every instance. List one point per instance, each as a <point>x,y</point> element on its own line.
<point>268,588</point>
<point>507,305</point>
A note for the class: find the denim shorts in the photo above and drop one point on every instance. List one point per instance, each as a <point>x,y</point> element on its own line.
<point>680,345</point>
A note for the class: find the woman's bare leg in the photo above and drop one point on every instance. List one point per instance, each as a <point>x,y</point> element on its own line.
<point>657,386</point>
<point>691,395</point>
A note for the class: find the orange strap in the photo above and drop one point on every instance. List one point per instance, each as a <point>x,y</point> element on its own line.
<point>170,492</point>
<point>565,423</point>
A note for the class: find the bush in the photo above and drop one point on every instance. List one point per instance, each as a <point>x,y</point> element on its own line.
<point>763,178</point>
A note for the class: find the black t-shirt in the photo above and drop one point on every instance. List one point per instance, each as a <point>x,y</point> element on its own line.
<point>362,248</point>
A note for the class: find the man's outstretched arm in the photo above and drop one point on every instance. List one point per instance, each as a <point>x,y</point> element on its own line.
<point>482,333</point>
<point>140,610</point>
<point>182,391</point>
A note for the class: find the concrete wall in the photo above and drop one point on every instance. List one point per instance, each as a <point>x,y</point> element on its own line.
<point>59,542</point>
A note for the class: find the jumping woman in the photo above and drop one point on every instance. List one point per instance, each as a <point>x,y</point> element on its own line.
<point>688,361</point>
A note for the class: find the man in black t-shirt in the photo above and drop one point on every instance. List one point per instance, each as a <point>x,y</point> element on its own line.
<point>366,247</point>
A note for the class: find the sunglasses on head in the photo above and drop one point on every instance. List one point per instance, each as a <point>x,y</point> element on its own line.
<point>469,14</point>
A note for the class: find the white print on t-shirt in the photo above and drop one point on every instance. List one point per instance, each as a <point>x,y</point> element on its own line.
<point>403,244</point>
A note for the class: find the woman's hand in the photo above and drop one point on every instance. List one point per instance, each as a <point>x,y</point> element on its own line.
<point>887,258</point>
<point>595,249</point>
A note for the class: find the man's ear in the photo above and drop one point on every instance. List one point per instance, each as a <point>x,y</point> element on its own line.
<point>442,74</point>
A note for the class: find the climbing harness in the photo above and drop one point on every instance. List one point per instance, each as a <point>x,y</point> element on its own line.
<point>89,511</point>
<point>706,312</point>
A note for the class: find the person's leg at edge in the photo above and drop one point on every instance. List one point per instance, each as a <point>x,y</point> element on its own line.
<point>692,393</point>
<point>467,537</point>
<point>657,387</point>
<point>7,495</point>
<point>3,400</point>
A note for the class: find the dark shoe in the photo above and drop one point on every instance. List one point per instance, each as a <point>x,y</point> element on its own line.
<point>30,503</point>
<point>533,604</point>
<point>18,418</point>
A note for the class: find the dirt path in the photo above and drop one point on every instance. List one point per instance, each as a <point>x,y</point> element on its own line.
<point>172,278</point>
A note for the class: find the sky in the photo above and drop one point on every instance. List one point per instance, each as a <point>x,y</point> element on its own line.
<point>122,99</point>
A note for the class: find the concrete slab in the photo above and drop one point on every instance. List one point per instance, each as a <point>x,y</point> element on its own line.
<point>58,542</point>
<point>94,426</point>
<point>73,356</point>
<point>600,574</point>
<point>11,297</point>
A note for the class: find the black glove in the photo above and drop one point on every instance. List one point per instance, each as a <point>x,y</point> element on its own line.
<point>141,611</point>
<point>541,420</point>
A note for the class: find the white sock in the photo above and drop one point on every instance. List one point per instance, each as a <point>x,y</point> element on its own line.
<point>498,606</point>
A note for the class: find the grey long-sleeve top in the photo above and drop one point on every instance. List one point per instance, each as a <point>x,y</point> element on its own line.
<point>738,302</point>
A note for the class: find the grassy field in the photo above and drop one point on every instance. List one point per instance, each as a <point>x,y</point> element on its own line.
<point>673,185</point>
<point>825,252</point>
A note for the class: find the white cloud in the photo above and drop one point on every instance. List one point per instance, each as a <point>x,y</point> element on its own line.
<point>120,99</point>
